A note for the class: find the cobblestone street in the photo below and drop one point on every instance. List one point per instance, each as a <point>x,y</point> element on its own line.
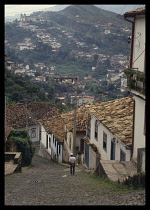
<point>48,183</point>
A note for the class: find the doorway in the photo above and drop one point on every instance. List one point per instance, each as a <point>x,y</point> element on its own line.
<point>112,153</point>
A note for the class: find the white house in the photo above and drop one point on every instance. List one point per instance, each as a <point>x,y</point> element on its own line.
<point>107,31</point>
<point>136,72</point>
<point>82,100</point>
<point>18,117</point>
<point>109,133</point>
<point>52,137</point>
<point>82,118</point>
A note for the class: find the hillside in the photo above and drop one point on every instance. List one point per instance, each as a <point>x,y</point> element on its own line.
<point>89,12</point>
<point>82,17</point>
<point>69,39</point>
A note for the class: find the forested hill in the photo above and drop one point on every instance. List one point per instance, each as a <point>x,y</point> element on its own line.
<point>83,17</point>
<point>68,39</point>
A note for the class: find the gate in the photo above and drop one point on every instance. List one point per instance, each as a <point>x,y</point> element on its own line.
<point>87,155</point>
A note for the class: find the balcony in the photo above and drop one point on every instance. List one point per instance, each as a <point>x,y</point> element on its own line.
<point>135,81</point>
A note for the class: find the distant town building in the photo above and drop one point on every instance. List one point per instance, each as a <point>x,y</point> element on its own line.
<point>82,100</point>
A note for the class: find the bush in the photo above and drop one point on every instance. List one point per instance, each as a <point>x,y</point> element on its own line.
<point>23,144</point>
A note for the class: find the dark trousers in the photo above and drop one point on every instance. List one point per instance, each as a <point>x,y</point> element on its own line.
<point>72,168</point>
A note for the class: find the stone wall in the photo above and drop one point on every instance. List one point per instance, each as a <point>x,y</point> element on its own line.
<point>17,157</point>
<point>137,180</point>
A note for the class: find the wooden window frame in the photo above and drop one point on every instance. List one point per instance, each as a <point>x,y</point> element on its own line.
<point>104,141</point>
<point>33,134</point>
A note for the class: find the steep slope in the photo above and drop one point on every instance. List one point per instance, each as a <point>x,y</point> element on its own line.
<point>81,17</point>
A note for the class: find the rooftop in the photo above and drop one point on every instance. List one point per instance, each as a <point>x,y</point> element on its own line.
<point>139,11</point>
<point>82,117</point>
<point>117,116</point>
<point>55,125</point>
<point>41,110</point>
<point>18,115</point>
<point>8,129</point>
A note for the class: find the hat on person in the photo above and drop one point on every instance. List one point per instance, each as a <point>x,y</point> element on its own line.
<point>71,154</point>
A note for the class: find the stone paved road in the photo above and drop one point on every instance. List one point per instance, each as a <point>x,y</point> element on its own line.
<point>48,183</point>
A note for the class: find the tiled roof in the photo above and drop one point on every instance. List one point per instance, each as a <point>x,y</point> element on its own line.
<point>82,117</point>
<point>8,129</point>
<point>139,11</point>
<point>117,116</point>
<point>17,115</point>
<point>55,125</point>
<point>42,110</point>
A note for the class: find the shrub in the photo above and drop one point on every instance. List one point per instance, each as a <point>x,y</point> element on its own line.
<point>23,144</point>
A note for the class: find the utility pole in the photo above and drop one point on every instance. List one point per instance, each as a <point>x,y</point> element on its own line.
<point>74,125</point>
<point>75,81</point>
<point>25,101</point>
<point>5,121</point>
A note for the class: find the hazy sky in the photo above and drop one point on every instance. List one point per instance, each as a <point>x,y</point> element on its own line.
<point>13,9</point>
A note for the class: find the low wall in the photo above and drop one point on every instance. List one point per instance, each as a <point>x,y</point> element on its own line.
<point>99,170</point>
<point>137,180</point>
<point>17,157</point>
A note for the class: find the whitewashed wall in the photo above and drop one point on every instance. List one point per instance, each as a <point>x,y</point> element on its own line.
<point>43,137</point>
<point>139,123</point>
<point>37,133</point>
<point>54,147</point>
<point>106,155</point>
<point>139,43</point>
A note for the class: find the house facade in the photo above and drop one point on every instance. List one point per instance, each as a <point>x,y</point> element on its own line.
<point>109,133</point>
<point>52,137</point>
<point>18,117</point>
<point>81,100</point>
<point>82,118</point>
<point>136,77</point>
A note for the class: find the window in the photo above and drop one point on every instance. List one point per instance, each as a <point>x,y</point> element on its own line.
<point>40,135</point>
<point>104,141</point>
<point>46,141</point>
<point>33,133</point>
<point>49,142</point>
<point>58,149</point>
<point>145,122</point>
<point>122,155</point>
<point>70,143</point>
<point>89,128</point>
<point>81,145</point>
<point>53,138</point>
<point>96,130</point>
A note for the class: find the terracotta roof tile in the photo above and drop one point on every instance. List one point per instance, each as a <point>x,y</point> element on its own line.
<point>55,125</point>
<point>117,116</point>
<point>82,118</point>
<point>8,129</point>
<point>17,115</point>
<point>139,11</point>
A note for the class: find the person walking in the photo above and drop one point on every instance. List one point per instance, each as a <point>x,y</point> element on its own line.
<point>72,161</point>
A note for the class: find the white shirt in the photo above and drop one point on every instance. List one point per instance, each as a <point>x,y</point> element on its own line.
<point>72,159</point>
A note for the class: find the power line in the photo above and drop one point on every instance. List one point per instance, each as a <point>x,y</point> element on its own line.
<point>123,9</point>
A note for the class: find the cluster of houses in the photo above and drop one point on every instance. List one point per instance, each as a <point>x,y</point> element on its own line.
<point>108,131</point>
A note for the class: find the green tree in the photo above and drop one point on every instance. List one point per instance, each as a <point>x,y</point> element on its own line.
<point>23,143</point>
<point>16,93</point>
